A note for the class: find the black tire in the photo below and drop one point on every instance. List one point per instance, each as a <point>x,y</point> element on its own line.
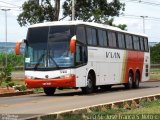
<point>137,80</point>
<point>105,87</point>
<point>90,85</point>
<point>129,85</point>
<point>49,91</point>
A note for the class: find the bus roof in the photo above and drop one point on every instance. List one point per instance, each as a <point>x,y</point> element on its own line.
<point>58,23</point>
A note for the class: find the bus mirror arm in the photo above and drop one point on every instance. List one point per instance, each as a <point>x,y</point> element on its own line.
<point>18,45</point>
<point>73,44</point>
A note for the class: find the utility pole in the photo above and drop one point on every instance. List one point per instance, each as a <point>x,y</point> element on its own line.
<point>5,10</point>
<point>73,10</point>
<point>143,17</point>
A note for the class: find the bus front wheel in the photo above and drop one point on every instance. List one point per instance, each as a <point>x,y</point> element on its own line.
<point>90,85</point>
<point>49,91</point>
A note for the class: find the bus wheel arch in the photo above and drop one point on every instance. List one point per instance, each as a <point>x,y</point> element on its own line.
<point>137,79</point>
<point>91,82</point>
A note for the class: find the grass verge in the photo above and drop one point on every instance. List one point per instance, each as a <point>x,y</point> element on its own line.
<point>155,74</point>
<point>146,111</point>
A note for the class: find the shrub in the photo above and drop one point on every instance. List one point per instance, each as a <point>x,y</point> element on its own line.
<point>5,74</point>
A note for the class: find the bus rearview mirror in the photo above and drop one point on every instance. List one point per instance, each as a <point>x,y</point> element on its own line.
<point>18,45</point>
<point>73,44</point>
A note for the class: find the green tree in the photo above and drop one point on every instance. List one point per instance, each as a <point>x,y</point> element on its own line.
<point>110,22</point>
<point>155,54</point>
<point>93,10</point>
<point>36,12</point>
<point>99,11</point>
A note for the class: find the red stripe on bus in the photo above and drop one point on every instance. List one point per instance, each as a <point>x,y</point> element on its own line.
<point>135,61</point>
<point>61,82</point>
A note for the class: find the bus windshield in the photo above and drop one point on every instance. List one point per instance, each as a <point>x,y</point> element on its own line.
<point>48,48</point>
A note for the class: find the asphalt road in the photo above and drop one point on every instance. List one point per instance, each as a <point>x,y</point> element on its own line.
<point>41,104</point>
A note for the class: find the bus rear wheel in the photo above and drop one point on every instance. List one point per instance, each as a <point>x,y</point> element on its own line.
<point>129,85</point>
<point>49,91</point>
<point>137,80</point>
<point>90,85</point>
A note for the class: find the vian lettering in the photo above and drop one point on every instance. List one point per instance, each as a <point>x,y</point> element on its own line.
<point>112,55</point>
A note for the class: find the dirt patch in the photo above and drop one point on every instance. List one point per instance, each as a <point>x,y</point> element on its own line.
<point>7,90</point>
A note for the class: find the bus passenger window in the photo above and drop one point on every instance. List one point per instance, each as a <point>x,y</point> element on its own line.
<point>129,42</point>
<point>142,43</point>
<point>80,34</point>
<point>112,39</point>
<point>91,36</point>
<point>136,43</point>
<point>78,55</point>
<point>94,37</point>
<point>146,44</point>
<point>105,40</point>
<point>85,58</point>
<point>81,55</point>
<point>121,40</point>
<point>102,38</point>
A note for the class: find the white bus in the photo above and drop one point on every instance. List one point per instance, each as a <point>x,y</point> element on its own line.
<point>86,55</point>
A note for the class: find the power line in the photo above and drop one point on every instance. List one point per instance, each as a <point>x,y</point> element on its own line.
<point>138,17</point>
<point>10,4</point>
<point>7,7</point>
<point>153,37</point>
<point>11,8</point>
<point>144,2</point>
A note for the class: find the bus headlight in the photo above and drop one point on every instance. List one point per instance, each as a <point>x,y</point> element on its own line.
<point>67,76</point>
<point>29,77</point>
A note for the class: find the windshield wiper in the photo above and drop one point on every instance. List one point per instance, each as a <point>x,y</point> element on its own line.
<point>54,61</point>
<point>39,60</point>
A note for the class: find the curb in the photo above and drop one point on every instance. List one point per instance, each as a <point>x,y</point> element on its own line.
<point>153,80</point>
<point>126,104</point>
<point>17,93</point>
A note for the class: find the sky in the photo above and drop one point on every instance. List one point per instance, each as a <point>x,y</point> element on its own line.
<point>131,17</point>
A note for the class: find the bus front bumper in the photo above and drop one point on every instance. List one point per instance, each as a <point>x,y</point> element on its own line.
<point>67,82</point>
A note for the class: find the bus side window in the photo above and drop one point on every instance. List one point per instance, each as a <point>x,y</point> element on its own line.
<point>121,40</point>
<point>102,38</point>
<point>85,58</point>
<point>146,44</point>
<point>105,40</point>
<point>78,55</point>
<point>112,39</point>
<point>136,43</point>
<point>141,43</point>
<point>81,54</point>
<point>94,37</point>
<point>89,35</point>
<point>129,42</point>
<point>80,34</point>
